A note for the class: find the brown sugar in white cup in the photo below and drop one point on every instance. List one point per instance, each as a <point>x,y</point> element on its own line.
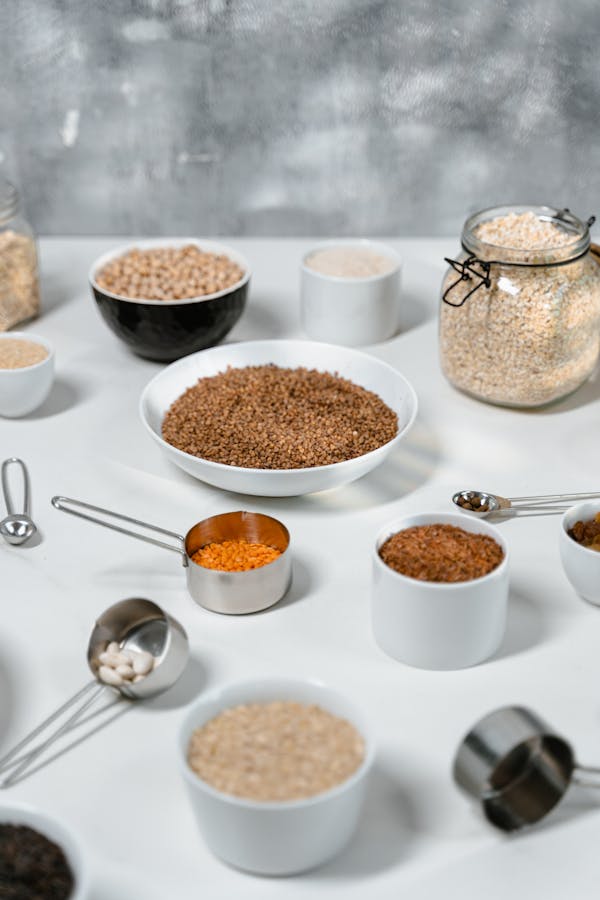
<point>439,625</point>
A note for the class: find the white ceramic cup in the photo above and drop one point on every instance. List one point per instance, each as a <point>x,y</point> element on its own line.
<point>351,311</point>
<point>581,564</point>
<point>275,838</point>
<point>59,833</point>
<point>23,390</point>
<point>434,625</point>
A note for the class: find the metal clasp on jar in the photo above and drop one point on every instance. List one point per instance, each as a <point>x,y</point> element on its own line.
<point>467,272</point>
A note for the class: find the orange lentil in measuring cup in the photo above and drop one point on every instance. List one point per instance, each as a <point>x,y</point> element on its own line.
<point>235,556</point>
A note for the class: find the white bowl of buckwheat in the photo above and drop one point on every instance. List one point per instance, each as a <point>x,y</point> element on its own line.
<point>278,418</point>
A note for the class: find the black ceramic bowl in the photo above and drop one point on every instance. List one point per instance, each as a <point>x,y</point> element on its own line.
<point>164,330</point>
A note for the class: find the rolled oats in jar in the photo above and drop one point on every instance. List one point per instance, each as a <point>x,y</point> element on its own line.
<point>520,311</point>
<point>19,287</point>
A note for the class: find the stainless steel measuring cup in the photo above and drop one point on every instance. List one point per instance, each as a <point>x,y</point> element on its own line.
<point>134,624</point>
<point>517,767</point>
<point>231,593</point>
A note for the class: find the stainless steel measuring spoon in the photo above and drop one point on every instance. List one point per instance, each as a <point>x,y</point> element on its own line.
<point>517,767</point>
<point>482,503</point>
<point>135,624</point>
<point>231,593</point>
<point>16,528</point>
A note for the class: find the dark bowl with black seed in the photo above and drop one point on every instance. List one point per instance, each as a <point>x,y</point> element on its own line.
<point>165,330</point>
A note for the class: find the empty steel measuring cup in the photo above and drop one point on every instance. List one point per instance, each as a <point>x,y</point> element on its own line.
<point>134,624</point>
<point>232,593</point>
<point>517,767</point>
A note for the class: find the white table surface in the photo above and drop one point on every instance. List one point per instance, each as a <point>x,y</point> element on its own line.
<point>119,787</point>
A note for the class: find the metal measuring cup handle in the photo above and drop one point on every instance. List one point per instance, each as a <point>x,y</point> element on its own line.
<point>74,507</point>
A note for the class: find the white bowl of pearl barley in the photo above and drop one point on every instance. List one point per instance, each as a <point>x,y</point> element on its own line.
<point>350,292</point>
<point>264,805</point>
<point>26,372</point>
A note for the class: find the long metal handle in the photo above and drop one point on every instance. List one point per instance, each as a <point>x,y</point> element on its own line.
<point>64,504</point>
<point>20,764</point>
<point>9,507</point>
<point>553,498</point>
<point>7,761</point>
<point>540,508</point>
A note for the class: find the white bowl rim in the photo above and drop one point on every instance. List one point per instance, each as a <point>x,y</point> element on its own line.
<point>568,513</point>
<point>149,243</point>
<point>363,243</point>
<point>220,467</point>
<point>40,817</point>
<point>451,518</point>
<point>231,799</point>
<point>34,339</point>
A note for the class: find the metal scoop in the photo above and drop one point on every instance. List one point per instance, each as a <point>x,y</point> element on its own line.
<point>482,504</point>
<point>517,767</point>
<point>16,528</point>
<point>134,624</point>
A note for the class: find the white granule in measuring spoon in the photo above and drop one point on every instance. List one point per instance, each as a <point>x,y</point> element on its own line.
<point>18,354</point>
<point>350,262</point>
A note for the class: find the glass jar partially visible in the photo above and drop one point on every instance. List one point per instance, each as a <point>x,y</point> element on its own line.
<point>520,312</point>
<point>19,285</point>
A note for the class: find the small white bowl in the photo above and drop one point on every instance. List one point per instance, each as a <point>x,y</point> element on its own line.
<point>55,830</point>
<point>276,838</point>
<point>23,390</point>
<point>434,625</point>
<point>361,368</point>
<point>581,564</point>
<point>346,310</point>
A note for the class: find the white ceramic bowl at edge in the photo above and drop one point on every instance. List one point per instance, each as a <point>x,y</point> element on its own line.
<point>277,838</point>
<point>361,368</point>
<point>434,625</point>
<point>55,830</point>
<point>350,311</point>
<point>581,564</point>
<point>23,390</point>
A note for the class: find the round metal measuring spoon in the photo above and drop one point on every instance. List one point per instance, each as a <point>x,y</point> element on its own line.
<point>16,528</point>
<point>478,503</point>
<point>482,503</point>
<point>134,624</point>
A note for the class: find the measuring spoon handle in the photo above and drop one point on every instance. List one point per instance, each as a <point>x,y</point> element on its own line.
<point>586,776</point>
<point>554,498</point>
<point>9,507</point>
<point>21,766</point>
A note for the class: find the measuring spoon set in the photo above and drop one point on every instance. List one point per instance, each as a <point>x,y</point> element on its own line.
<point>511,762</point>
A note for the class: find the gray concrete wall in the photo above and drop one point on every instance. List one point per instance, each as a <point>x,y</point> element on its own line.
<point>297,117</point>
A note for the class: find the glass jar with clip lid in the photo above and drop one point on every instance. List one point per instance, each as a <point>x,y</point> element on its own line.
<point>520,311</point>
<point>19,287</point>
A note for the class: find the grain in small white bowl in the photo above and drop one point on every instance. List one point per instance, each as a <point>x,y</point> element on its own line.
<point>24,388</point>
<point>283,837</point>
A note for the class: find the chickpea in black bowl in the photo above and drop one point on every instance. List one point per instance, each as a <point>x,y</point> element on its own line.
<point>169,298</point>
